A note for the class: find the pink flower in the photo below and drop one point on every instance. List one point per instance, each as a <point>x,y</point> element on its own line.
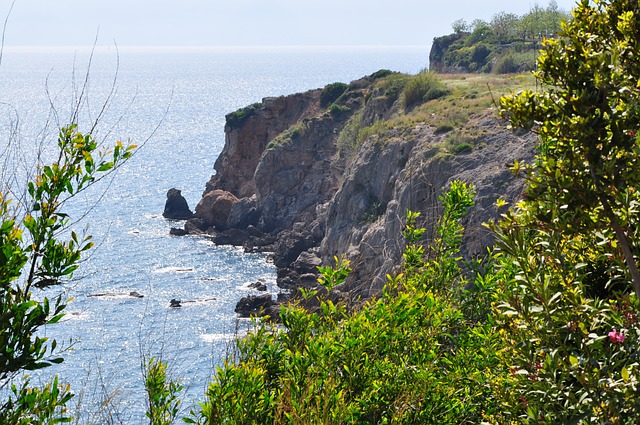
<point>616,337</point>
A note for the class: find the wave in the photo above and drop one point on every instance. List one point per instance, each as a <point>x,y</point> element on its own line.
<point>175,269</point>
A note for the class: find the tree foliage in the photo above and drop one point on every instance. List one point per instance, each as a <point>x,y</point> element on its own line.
<point>402,358</point>
<point>567,308</point>
<point>37,251</point>
<point>586,175</point>
<point>481,45</point>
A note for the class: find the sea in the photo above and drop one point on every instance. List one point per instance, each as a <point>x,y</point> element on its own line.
<point>171,102</point>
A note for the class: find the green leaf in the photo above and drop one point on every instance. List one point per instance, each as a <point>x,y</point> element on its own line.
<point>625,374</point>
<point>573,360</point>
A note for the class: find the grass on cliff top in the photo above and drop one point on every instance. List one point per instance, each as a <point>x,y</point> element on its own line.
<point>469,95</point>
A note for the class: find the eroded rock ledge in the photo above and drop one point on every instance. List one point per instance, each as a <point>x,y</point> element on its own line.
<point>296,179</point>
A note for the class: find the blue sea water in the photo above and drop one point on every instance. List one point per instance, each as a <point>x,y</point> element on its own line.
<point>171,101</point>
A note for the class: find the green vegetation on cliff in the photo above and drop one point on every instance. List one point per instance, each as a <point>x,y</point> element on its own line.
<point>507,44</point>
<point>236,118</point>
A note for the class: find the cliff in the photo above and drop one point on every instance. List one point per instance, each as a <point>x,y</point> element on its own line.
<point>332,171</point>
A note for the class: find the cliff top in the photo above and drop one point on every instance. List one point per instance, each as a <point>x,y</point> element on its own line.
<point>507,44</point>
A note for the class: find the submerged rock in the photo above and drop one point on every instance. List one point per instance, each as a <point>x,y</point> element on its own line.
<point>258,286</point>
<point>132,294</point>
<point>176,231</point>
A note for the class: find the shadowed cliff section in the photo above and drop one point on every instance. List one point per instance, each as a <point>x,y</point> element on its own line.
<point>309,179</point>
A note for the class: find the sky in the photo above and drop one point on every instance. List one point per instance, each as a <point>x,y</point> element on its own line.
<point>243,22</point>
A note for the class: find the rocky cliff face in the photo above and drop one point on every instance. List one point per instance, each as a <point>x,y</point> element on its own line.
<point>309,182</point>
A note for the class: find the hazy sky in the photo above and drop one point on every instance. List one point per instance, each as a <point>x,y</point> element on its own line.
<point>244,22</point>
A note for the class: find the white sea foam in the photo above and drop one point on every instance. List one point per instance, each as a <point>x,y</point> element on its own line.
<point>217,337</point>
<point>75,315</point>
<point>175,269</point>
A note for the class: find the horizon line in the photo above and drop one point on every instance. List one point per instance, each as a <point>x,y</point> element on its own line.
<point>124,48</point>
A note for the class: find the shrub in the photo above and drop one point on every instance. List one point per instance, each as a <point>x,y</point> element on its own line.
<point>423,87</point>
<point>237,118</point>
<point>444,128</point>
<point>162,393</point>
<point>331,92</point>
<point>338,110</point>
<point>38,250</point>
<point>506,64</point>
<point>289,135</point>
<point>348,137</point>
<point>374,211</point>
<point>364,133</point>
<point>399,359</point>
<point>382,73</point>
<point>574,358</point>
<point>393,86</point>
<point>435,92</point>
<point>456,142</point>
<point>480,54</point>
<point>462,147</point>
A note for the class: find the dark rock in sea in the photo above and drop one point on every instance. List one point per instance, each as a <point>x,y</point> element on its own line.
<point>132,294</point>
<point>176,207</point>
<point>195,226</point>
<point>235,237</point>
<point>258,286</point>
<point>255,305</point>
<point>176,231</point>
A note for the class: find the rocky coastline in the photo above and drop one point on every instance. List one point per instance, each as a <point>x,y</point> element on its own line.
<point>299,178</point>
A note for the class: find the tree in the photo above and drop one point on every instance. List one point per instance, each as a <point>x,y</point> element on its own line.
<point>460,26</point>
<point>504,25</point>
<point>586,176</point>
<point>37,251</point>
<point>540,23</point>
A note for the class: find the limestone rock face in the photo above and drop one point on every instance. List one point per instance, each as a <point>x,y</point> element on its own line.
<point>176,206</point>
<point>296,180</point>
<point>243,214</point>
<point>246,141</point>
<point>215,207</point>
<point>366,217</point>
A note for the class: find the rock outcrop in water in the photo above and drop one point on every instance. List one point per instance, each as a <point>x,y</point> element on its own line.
<point>176,206</point>
<point>308,182</point>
